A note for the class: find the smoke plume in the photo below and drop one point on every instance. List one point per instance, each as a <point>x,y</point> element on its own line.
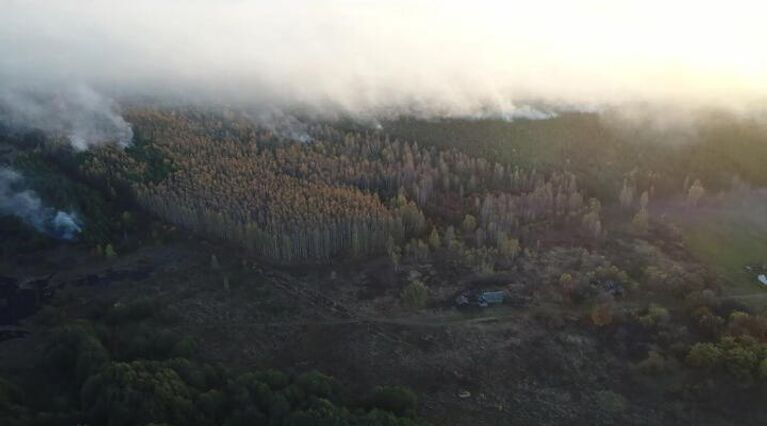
<point>76,113</point>
<point>426,58</point>
<point>26,205</point>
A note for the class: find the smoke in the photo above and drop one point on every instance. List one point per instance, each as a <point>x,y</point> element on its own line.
<point>282,124</point>
<point>26,205</point>
<point>426,58</point>
<point>77,113</point>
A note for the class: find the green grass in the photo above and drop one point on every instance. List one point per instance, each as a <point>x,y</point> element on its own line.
<point>728,240</point>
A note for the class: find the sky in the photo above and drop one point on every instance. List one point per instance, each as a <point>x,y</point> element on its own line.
<point>67,66</point>
<point>443,57</point>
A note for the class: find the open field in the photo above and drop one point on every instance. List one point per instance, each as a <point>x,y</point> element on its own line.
<point>730,240</point>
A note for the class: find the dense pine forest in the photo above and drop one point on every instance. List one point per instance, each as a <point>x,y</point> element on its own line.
<point>350,194</point>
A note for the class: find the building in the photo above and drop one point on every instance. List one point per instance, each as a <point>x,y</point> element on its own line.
<point>482,299</point>
<point>487,298</point>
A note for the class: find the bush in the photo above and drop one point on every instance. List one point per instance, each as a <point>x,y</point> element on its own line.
<point>184,347</point>
<point>655,363</point>
<point>317,384</point>
<point>73,354</point>
<point>706,356</point>
<point>141,309</point>
<point>763,370</point>
<point>566,283</point>
<point>602,315</point>
<point>276,380</point>
<point>611,402</point>
<point>139,392</point>
<point>415,295</point>
<point>10,395</point>
<point>744,324</point>
<point>656,314</point>
<point>741,362</point>
<point>708,323</point>
<point>395,399</point>
<point>80,384</point>
<point>319,412</point>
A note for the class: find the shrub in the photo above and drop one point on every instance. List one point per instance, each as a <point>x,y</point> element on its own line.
<point>740,361</point>
<point>317,384</point>
<point>655,314</point>
<point>395,399</point>
<point>10,395</point>
<point>763,370</point>
<point>469,223</point>
<point>415,295</point>
<point>611,402</point>
<point>602,315</point>
<point>707,322</point>
<point>137,393</point>
<point>72,354</point>
<point>744,324</point>
<point>566,282</point>
<point>655,363</point>
<point>435,241</point>
<point>706,356</point>
<point>122,313</point>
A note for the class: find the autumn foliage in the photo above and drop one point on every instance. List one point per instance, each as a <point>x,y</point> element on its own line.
<point>342,194</point>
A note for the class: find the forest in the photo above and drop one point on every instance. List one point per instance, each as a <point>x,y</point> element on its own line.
<point>383,213</point>
<point>122,366</point>
<point>589,234</point>
<point>350,194</point>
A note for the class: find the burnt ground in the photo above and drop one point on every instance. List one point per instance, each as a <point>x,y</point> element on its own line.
<point>521,365</point>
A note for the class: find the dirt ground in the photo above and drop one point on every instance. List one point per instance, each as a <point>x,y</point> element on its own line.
<point>499,366</point>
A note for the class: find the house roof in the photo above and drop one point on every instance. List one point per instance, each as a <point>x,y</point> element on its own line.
<point>762,279</point>
<point>493,296</point>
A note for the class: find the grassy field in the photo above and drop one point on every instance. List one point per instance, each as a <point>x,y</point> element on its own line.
<point>729,239</point>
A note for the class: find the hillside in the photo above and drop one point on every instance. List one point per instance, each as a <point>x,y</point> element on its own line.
<point>230,264</point>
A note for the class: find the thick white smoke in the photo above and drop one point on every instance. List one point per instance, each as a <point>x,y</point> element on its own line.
<point>26,205</point>
<point>78,113</point>
<point>425,57</point>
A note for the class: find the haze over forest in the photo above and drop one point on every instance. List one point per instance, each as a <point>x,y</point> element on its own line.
<point>383,213</point>
<point>381,58</point>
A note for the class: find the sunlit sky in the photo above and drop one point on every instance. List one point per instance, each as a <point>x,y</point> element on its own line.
<point>366,54</point>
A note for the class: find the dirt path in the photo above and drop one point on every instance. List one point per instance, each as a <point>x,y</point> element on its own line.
<point>438,321</point>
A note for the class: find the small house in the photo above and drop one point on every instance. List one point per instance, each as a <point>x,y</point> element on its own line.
<point>762,279</point>
<point>491,298</point>
<point>482,299</point>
